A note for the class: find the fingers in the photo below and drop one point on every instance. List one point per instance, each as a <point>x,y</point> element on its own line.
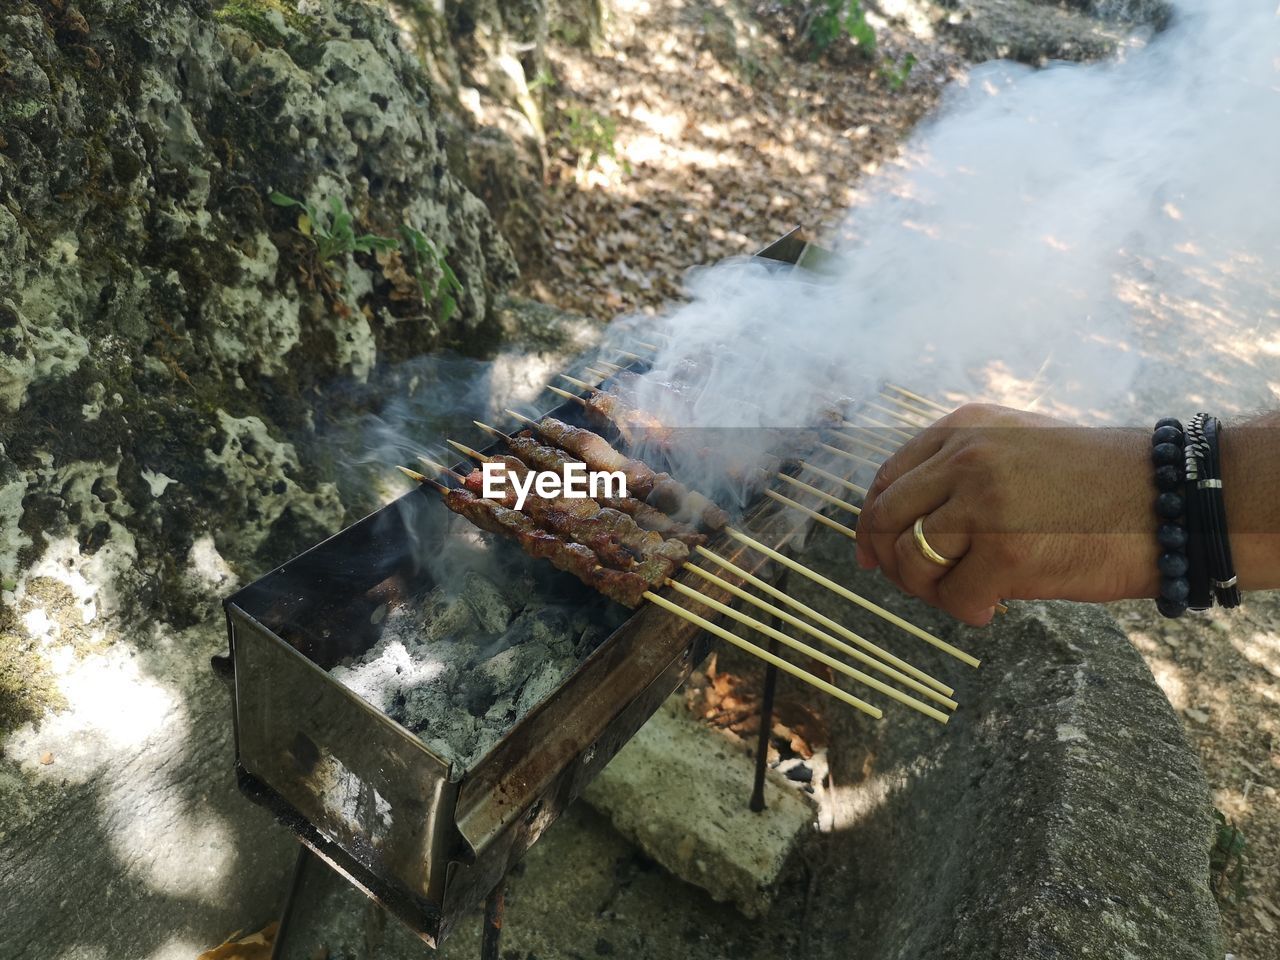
<point>968,591</point>
<point>944,531</point>
<point>891,515</point>
<point>877,551</point>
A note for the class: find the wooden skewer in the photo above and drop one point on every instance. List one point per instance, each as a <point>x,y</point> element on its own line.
<point>466,451</point>
<point>928,415</point>
<point>632,356</point>
<point>869,421</point>
<point>834,478</point>
<point>849,455</point>
<point>601,375</point>
<point>814,514</point>
<point>811,652</point>
<point>864,443</point>
<point>441,468</point>
<point>615,367</point>
<point>896,675</point>
<point>566,394</point>
<point>521,418</point>
<point>820,494</point>
<point>848,594</point>
<point>916,397</point>
<point>901,416</point>
<point>414,475</point>
<point>762,654</point>
<point>648,346</point>
<point>491,430</point>
<point>832,625</point>
<point>580,384</point>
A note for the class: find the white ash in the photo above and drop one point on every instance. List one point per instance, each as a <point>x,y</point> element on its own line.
<point>460,669</point>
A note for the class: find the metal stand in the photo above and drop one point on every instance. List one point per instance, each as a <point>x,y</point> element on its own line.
<point>494,907</point>
<point>767,693</point>
<point>300,867</point>
<point>766,726</point>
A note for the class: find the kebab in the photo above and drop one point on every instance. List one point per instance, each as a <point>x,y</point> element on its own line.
<point>627,588</point>
<point>660,490</point>
<point>836,525</point>
<point>541,456</point>
<point>584,521</point>
<point>624,586</point>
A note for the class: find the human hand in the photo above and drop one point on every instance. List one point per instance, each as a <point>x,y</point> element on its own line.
<point>1028,507</point>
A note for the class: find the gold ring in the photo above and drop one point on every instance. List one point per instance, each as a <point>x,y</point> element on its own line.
<point>929,553</point>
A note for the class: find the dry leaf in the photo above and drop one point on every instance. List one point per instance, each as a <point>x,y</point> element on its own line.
<point>256,946</point>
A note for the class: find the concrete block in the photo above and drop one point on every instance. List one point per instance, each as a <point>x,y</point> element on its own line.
<point>679,791</point>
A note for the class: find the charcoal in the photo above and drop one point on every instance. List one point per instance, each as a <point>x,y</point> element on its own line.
<point>459,668</point>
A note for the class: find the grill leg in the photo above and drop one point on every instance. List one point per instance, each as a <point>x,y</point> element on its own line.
<point>770,687</point>
<point>494,907</point>
<point>766,725</point>
<point>300,865</point>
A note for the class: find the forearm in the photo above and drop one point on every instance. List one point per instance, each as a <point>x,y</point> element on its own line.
<point>1251,490</point>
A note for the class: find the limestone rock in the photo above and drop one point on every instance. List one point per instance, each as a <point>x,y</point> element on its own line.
<point>679,789</point>
<point>149,286</point>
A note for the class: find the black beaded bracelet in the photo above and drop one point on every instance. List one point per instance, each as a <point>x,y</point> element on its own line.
<point>1168,456</point>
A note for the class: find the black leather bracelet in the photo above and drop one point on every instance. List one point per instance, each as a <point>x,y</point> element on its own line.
<point>1222,571</point>
<point>1168,456</point>
<point>1196,449</point>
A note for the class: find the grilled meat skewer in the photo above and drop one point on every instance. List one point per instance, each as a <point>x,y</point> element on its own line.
<point>626,587</point>
<point>657,489</point>
<point>541,456</point>
<point>616,538</point>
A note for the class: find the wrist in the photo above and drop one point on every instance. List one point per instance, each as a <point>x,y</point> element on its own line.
<point>1137,549</point>
<point>1253,514</point>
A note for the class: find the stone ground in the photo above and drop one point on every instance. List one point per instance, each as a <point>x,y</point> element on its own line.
<point>1221,671</point>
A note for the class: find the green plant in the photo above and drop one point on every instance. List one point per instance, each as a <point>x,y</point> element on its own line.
<point>435,277</point>
<point>262,19</point>
<point>1226,861</point>
<point>331,228</point>
<point>544,79</point>
<point>896,73</point>
<point>590,135</point>
<point>823,22</point>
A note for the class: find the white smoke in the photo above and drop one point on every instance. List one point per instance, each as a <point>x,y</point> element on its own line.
<point>1094,238</point>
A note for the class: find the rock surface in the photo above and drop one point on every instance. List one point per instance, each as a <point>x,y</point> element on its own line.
<point>1038,31</point>
<point>162,321</point>
<point>677,791</point>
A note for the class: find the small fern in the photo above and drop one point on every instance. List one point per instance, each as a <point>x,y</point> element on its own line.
<point>331,228</point>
